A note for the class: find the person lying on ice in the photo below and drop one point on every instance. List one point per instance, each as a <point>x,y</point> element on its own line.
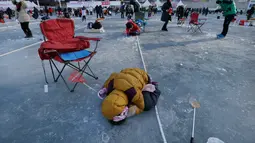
<point>132,29</point>
<point>128,93</point>
<point>96,25</point>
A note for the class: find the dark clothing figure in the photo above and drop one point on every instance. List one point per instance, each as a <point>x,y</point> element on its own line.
<point>206,11</point>
<point>229,11</point>
<point>180,12</point>
<point>227,21</point>
<point>2,17</point>
<point>151,98</point>
<point>9,13</point>
<point>250,13</point>
<point>46,10</point>
<point>165,17</point>
<point>186,14</point>
<point>97,10</point>
<point>122,10</point>
<point>25,28</point>
<point>136,5</point>
<point>36,13</point>
<point>129,11</point>
<point>100,11</point>
<point>95,25</point>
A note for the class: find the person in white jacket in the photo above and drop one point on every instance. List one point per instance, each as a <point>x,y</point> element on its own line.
<point>22,16</point>
<point>83,13</point>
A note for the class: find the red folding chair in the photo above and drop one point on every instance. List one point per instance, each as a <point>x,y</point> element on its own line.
<point>195,22</point>
<point>62,46</point>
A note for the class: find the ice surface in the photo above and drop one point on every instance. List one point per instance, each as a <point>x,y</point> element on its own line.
<point>217,73</point>
<point>214,140</point>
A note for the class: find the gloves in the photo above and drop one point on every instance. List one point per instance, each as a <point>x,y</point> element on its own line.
<point>102,93</point>
<point>149,88</point>
<point>131,111</point>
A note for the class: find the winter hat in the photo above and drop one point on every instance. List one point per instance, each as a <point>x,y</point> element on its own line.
<point>114,104</point>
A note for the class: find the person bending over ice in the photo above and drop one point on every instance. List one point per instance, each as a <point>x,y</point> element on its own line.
<point>128,93</point>
<point>132,29</point>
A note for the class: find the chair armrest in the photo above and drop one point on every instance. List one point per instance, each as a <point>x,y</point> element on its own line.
<point>49,51</point>
<point>93,39</point>
<point>202,18</point>
<point>88,38</point>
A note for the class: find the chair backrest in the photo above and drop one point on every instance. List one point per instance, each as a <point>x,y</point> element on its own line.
<point>58,29</point>
<point>194,17</point>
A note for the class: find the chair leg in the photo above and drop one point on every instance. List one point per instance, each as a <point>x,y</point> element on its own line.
<point>45,76</point>
<point>82,71</point>
<point>59,72</point>
<point>195,29</point>
<point>52,70</point>
<point>65,83</point>
<point>200,30</point>
<point>94,76</point>
<point>201,27</point>
<point>79,69</point>
<point>79,65</point>
<point>189,27</point>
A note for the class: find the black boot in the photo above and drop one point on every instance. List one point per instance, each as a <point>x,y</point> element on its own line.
<point>164,29</point>
<point>29,34</point>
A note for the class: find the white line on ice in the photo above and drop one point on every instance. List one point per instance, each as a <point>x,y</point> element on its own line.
<point>6,27</point>
<point>5,54</point>
<point>156,108</point>
<point>20,49</point>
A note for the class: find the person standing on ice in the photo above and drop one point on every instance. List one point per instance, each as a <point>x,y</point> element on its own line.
<point>22,16</point>
<point>229,11</point>
<point>166,16</point>
<point>122,10</point>
<point>9,13</point>
<point>83,13</point>
<point>2,16</point>
<point>128,93</point>
<point>250,12</point>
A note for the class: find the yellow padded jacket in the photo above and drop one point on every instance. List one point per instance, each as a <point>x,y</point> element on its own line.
<point>124,89</point>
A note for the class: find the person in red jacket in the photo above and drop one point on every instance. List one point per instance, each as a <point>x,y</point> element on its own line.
<point>132,29</point>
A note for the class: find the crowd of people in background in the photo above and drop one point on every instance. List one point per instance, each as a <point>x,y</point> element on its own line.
<point>100,11</point>
<point>125,9</point>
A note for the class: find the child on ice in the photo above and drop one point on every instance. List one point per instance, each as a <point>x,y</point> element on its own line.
<point>132,29</point>
<point>128,93</point>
